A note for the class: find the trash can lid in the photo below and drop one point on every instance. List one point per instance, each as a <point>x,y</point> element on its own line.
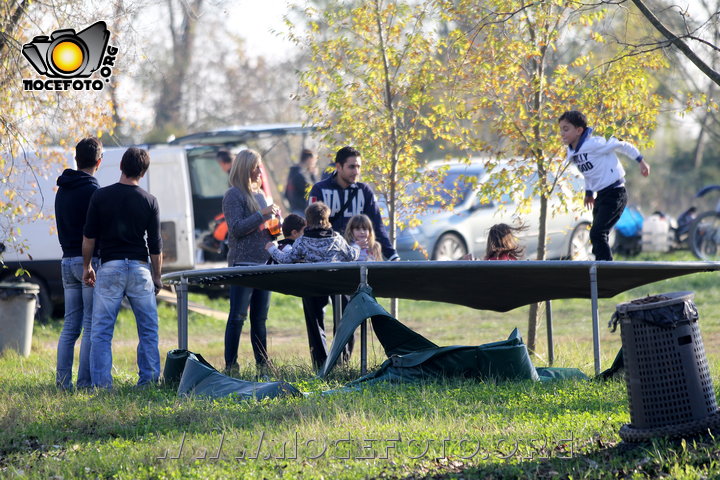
<point>663,300</point>
<point>11,289</point>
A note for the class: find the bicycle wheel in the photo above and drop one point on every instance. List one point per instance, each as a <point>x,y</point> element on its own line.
<point>705,236</point>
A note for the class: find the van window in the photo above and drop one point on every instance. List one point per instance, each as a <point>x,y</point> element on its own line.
<point>207,178</point>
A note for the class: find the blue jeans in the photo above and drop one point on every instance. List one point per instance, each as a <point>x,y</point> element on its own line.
<point>78,318</point>
<point>115,279</point>
<point>243,299</point>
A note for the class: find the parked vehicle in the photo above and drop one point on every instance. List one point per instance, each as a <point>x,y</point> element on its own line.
<point>704,231</point>
<point>188,183</point>
<point>451,231</point>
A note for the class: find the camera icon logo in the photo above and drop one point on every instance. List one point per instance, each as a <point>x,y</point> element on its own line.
<point>66,54</point>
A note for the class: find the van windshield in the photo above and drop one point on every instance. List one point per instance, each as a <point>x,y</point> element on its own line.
<point>207,177</point>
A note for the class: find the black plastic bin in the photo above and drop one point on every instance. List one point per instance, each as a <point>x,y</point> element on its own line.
<point>666,371</point>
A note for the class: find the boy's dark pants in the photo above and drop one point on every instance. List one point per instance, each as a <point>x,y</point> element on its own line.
<point>314,309</point>
<point>609,205</point>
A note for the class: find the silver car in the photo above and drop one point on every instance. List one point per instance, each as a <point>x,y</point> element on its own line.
<point>451,232</point>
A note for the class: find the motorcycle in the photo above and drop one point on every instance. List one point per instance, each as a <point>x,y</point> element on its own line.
<point>704,230</point>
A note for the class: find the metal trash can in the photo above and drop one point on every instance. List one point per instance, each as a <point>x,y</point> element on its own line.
<point>17,316</point>
<point>670,391</point>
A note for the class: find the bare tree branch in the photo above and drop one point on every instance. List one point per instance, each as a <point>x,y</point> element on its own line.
<point>677,41</point>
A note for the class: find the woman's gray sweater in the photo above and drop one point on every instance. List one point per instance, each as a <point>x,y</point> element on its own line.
<point>247,235</point>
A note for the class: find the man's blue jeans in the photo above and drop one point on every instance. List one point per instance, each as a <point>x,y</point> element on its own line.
<point>78,318</point>
<point>115,279</point>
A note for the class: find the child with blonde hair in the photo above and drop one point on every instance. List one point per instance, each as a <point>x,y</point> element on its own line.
<point>359,234</point>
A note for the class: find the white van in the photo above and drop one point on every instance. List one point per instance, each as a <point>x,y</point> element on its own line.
<point>188,183</point>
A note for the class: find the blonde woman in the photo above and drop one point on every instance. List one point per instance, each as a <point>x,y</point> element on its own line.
<point>246,210</point>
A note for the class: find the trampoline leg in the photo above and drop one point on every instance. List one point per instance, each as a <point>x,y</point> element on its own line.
<point>363,326</point>
<point>181,291</point>
<point>595,316</point>
<point>549,322</point>
<point>363,348</point>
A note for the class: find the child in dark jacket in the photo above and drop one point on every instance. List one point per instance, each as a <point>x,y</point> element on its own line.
<point>318,243</point>
<point>292,228</point>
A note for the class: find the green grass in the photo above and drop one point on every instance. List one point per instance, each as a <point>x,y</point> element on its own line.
<point>451,429</point>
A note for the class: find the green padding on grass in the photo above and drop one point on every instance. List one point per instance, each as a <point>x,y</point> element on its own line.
<point>395,337</point>
<point>174,365</point>
<point>203,380</point>
<point>504,360</point>
<point>553,373</point>
<point>412,357</point>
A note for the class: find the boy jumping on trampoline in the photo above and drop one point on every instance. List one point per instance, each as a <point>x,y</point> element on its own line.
<point>595,158</point>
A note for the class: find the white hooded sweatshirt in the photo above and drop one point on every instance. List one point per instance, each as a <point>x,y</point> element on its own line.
<point>595,158</point>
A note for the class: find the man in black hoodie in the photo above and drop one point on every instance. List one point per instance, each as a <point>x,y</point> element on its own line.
<point>75,187</point>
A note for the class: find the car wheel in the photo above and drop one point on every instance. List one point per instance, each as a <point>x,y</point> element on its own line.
<point>580,246</point>
<point>705,236</point>
<point>449,247</point>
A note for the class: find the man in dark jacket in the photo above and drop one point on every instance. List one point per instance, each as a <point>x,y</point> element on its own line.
<point>125,219</point>
<point>300,177</point>
<point>75,187</point>
<point>346,197</point>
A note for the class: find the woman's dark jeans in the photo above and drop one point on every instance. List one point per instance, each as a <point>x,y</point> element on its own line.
<point>257,302</point>
<point>609,205</point>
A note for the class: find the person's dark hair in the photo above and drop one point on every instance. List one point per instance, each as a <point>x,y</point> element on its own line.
<point>292,222</point>
<point>135,162</point>
<point>306,155</point>
<point>223,155</point>
<point>88,152</point>
<point>503,242</point>
<point>318,215</point>
<point>575,118</point>
<point>344,153</point>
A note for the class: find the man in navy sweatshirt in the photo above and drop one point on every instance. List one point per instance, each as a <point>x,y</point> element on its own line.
<point>75,187</point>
<point>346,197</point>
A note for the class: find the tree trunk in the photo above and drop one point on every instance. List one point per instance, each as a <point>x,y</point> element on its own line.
<point>168,109</point>
<point>534,308</point>
<point>394,149</point>
<point>10,24</point>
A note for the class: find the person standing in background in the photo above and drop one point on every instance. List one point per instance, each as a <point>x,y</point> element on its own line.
<point>346,197</point>
<point>300,178</point>
<point>75,187</point>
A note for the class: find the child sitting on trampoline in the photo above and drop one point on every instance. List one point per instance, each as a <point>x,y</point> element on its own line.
<point>360,235</point>
<point>318,243</point>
